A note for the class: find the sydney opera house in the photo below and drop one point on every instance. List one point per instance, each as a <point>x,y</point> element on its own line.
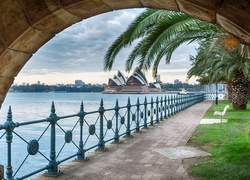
<point>136,83</point>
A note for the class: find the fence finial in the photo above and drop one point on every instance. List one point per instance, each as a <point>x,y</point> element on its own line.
<point>145,100</point>
<point>116,102</point>
<point>9,116</point>
<point>101,103</point>
<point>82,107</point>
<point>53,110</point>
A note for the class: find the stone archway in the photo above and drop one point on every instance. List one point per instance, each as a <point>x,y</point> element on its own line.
<point>27,25</point>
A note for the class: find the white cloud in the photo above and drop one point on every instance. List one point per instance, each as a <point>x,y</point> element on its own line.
<point>79,50</point>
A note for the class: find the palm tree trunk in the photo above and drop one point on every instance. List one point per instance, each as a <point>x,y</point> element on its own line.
<point>239,91</point>
<point>229,91</point>
<point>248,96</point>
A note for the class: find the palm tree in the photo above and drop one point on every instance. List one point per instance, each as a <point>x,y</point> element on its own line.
<point>161,32</point>
<point>220,60</point>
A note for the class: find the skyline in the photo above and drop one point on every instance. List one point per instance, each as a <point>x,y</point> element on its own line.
<point>78,51</point>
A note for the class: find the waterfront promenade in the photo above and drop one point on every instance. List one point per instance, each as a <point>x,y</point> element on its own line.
<point>145,156</point>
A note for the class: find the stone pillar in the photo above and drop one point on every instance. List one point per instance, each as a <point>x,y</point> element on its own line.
<point>1,171</point>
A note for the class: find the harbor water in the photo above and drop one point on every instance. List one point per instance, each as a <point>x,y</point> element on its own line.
<point>34,106</point>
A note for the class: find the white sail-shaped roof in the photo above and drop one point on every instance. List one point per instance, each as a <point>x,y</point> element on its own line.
<point>122,77</point>
<point>119,79</point>
<point>114,82</point>
<point>139,77</point>
<point>155,85</point>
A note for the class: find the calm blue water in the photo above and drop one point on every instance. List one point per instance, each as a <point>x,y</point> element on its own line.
<point>27,106</point>
<point>35,106</point>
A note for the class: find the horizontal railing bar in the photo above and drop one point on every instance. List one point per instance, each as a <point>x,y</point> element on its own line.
<point>110,109</point>
<point>68,116</point>
<point>122,107</point>
<point>33,173</point>
<point>33,122</point>
<point>91,112</point>
<point>92,147</point>
<point>65,159</point>
<point>109,140</point>
<point>122,134</point>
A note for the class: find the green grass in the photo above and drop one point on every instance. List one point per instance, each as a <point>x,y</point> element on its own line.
<point>229,144</point>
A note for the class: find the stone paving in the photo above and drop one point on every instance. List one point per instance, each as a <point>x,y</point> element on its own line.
<point>139,157</point>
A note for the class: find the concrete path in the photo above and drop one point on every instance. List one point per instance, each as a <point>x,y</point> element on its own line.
<point>141,157</point>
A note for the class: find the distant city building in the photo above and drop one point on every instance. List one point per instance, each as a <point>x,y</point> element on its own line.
<point>158,78</point>
<point>177,81</point>
<point>212,87</point>
<point>79,83</point>
<point>136,83</point>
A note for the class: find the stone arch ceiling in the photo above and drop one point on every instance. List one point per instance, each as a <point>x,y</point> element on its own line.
<point>25,25</point>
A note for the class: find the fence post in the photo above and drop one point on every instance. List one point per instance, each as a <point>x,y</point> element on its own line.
<point>190,100</point>
<point>165,107</point>
<point>172,105</point>
<point>169,106</point>
<point>186,101</point>
<point>161,108</point>
<point>116,138</point>
<point>157,110</point>
<point>181,101</point>
<point>101,144</point>
<point>9,126</point>
<point>81,152</point>
<point>53,166</point>
<point>177,103</point>
<point>152,112</point>
<point>145,125</point>
<point>128,132</point>
<point>137,128</point>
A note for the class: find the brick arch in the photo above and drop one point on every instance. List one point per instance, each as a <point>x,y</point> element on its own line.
<point>25,26</point>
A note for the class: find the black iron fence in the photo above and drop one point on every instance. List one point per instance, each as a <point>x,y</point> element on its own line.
<point>42,145</point>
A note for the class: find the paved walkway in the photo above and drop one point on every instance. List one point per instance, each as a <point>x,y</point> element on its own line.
<point>140,157</point>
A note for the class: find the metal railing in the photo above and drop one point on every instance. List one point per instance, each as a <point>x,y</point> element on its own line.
<point>72,136</point>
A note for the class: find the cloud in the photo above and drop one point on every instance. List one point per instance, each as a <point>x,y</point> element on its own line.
<point>81,48</point>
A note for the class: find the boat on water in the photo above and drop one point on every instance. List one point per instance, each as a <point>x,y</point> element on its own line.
<point>183,92</point>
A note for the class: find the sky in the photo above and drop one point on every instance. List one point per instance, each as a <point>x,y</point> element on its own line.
<point>77,54</point>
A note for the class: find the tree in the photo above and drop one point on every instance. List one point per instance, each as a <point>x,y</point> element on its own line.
<point>224,60</point>
<point>161,32</point>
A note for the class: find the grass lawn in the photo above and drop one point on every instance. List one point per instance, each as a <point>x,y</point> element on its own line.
<point>229,144</point>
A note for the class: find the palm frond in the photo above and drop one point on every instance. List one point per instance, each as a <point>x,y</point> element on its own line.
<point>136,29</point>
